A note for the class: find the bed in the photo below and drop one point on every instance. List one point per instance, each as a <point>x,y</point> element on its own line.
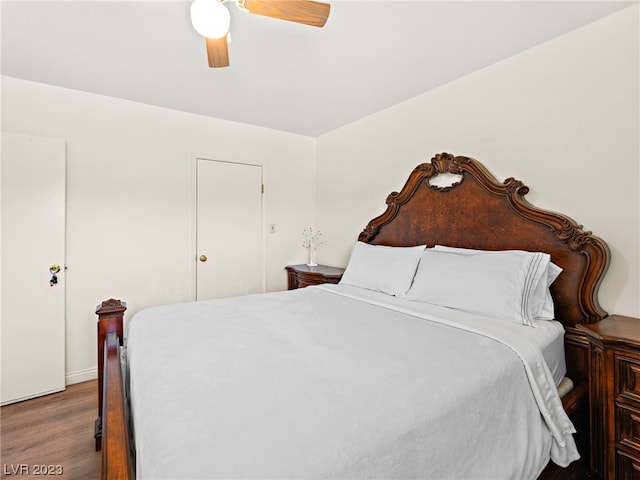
<point>417,373</point>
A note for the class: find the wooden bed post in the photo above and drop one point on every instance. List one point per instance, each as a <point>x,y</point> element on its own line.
<point>110,319</point>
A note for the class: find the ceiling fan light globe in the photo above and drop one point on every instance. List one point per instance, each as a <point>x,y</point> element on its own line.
<point>210,18</point>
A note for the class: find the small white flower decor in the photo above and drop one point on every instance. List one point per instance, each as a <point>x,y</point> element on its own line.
<point>310,240</point>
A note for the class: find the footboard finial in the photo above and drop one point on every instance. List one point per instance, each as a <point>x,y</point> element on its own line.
<point>111,306</point>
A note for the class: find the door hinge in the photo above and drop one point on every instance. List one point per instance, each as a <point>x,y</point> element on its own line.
<point>262,188</point>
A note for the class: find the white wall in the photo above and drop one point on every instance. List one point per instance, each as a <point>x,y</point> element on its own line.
<point>562,117</point>
<point>130,197</point>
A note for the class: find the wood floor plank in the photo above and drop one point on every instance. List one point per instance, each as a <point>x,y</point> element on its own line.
<point>55,431</point>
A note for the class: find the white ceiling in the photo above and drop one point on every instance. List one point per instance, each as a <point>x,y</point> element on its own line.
<point>286,76</point>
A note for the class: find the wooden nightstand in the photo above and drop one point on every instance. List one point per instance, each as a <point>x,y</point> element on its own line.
<point>301,276</point>
<point>614,397</point>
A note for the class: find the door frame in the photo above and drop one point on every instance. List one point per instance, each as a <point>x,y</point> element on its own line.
<point>193,221</point>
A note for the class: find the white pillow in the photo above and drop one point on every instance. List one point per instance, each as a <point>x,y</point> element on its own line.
<point>541,300</point>
<point>492,284</point>
<point>385,269</point>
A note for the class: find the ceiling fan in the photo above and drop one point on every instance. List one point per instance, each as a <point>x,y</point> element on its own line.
<point>211,19</point>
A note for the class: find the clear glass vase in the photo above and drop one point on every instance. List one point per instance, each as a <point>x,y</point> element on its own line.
<point>311,251</point>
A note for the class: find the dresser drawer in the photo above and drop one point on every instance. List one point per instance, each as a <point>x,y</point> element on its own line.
<point>628,377</point>
<point>627,466</point>
<point>628,426</point>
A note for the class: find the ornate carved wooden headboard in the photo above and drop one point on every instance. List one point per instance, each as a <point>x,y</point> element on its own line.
<point>480,212</point>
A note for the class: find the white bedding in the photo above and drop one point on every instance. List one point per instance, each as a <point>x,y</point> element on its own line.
<point>338,382</point>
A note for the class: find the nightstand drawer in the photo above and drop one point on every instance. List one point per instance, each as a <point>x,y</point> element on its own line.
<point>304,280</point>
<point>628,377</point>
<point>628,426</point>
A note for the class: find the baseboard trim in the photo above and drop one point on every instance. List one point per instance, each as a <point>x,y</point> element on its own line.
<point>80,376</point>
<point>29,397</point>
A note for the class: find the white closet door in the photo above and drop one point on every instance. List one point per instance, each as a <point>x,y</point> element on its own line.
<point>229,230</point>
<point>32,313</point>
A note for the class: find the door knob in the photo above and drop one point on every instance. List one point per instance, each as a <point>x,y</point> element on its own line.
<point>203,258</point>
<point>53,269</point>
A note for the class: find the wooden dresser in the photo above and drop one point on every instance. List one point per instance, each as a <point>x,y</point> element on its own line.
<point>614,397</point>
<point>300,276</point>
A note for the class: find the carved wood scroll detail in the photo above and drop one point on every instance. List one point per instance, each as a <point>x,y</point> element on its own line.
<point>503,205</point>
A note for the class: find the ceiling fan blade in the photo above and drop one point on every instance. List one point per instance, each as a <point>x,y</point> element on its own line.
<point>217,52</point>
<point>299,11</point>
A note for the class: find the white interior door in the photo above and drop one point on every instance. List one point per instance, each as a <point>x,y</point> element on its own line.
<point>229,229</point>
<point>32,318</point>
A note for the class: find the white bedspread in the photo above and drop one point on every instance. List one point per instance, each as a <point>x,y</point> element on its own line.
<point>323,382</point>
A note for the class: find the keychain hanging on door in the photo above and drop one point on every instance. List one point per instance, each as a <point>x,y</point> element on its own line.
<point>54,269</point>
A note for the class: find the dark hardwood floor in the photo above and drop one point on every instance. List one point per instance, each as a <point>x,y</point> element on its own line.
<point>51,436</point>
